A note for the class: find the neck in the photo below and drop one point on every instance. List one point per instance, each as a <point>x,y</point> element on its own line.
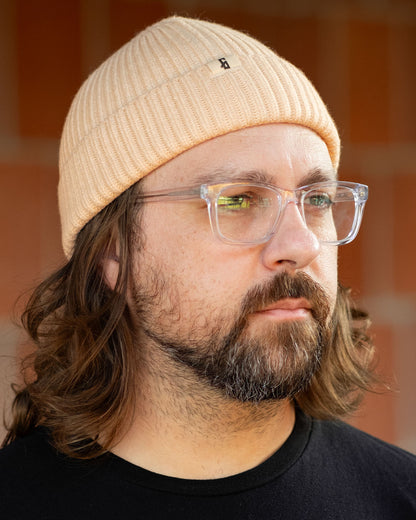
<point>183,429</point>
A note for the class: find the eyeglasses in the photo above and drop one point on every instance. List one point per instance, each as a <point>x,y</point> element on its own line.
<point>249,213</point>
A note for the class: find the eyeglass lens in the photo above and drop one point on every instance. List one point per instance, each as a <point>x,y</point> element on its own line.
<point>250,213</point>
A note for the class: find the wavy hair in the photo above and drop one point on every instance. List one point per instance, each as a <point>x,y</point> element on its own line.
<point>85,358</point>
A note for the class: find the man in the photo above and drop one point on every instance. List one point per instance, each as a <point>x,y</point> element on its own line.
<point>195,352</point>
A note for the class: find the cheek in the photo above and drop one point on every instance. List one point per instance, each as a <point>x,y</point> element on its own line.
<point>208,279</point>
<point>177,260</point>
<point>328,272</point>
<point>183,245</point>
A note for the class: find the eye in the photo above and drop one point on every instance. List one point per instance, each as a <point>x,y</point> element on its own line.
<point>238,201</point>
<point>246,201</point>
<point>319,200</point>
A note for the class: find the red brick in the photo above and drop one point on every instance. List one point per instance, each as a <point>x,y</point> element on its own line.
<point>350,270</point>
<point>404,245</point>
<point>377,412</point>
<point>350,265</point>
<point>29,229</point>
<point>369,82</point>
<point>49,64</point>
<point>377,234</point>
<point>403,79</point>
<point>128,18</point>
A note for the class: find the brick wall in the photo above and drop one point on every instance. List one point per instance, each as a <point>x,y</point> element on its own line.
<point>361,56</point>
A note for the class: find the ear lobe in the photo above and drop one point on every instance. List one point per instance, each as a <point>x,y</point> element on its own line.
<point>110,266</point>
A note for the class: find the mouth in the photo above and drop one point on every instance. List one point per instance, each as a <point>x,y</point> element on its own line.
<point>286,309</point>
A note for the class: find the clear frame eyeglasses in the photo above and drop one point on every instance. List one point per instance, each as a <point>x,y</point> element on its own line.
<point>249,213</point>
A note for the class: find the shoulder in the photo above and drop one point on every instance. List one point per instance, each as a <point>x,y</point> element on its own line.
<point>341,436</point>
<point>25,453</point>
<point>363,456</point>
<point>351,474</point>
<point>33,458</point>
<point>29,462</point>
<point>23,465</point>
<point>34,476</point>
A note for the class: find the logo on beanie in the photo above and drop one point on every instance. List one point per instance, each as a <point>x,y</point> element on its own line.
<point>223,64</point>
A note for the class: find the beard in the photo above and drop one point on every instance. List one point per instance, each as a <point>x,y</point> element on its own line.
<point>244,361</point>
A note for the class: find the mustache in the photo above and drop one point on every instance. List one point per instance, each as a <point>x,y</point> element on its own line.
<point>282,286</point>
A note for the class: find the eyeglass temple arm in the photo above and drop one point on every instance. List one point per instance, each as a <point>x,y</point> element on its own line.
<point>180,194</point>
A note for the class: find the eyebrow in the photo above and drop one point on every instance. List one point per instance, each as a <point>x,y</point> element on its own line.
<point>228,175</point>
<point>318,175</point>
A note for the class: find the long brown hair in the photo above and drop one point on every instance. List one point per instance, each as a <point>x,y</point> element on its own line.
<point>84,361</point>
<point>84,364</point>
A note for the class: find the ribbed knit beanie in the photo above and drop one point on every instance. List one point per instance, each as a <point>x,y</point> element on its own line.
<point>176,84</point>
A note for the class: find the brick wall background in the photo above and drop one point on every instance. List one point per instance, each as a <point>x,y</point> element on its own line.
<point>361,56</point>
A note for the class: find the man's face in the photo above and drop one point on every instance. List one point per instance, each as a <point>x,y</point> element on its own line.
<point>248,320</point>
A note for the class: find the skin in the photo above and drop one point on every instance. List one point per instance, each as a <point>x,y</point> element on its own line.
<point>205,281</point>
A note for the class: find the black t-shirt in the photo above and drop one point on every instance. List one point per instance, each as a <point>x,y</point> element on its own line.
<point>325,470</point>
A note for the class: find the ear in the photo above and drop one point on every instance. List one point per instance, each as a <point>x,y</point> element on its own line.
<point>110,266</point>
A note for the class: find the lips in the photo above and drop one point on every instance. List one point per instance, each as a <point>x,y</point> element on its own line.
<point>287,297</point>
<point>290,304</point>
<point>287,309</point>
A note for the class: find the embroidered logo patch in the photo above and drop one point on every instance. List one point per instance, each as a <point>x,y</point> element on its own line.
<point>223,64</point>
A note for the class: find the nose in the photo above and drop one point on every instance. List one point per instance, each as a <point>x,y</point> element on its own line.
<point>292,245</point>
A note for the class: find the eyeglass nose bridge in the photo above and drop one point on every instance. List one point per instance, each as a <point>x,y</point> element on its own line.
<point>286,197</point>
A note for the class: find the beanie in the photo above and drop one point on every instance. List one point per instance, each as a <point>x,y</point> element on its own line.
<point>176,84</point>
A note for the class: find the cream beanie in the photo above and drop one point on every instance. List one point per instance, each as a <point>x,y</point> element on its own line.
<point>176,84</point>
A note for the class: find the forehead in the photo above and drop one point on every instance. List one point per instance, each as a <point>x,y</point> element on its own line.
<point>281,154</point>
